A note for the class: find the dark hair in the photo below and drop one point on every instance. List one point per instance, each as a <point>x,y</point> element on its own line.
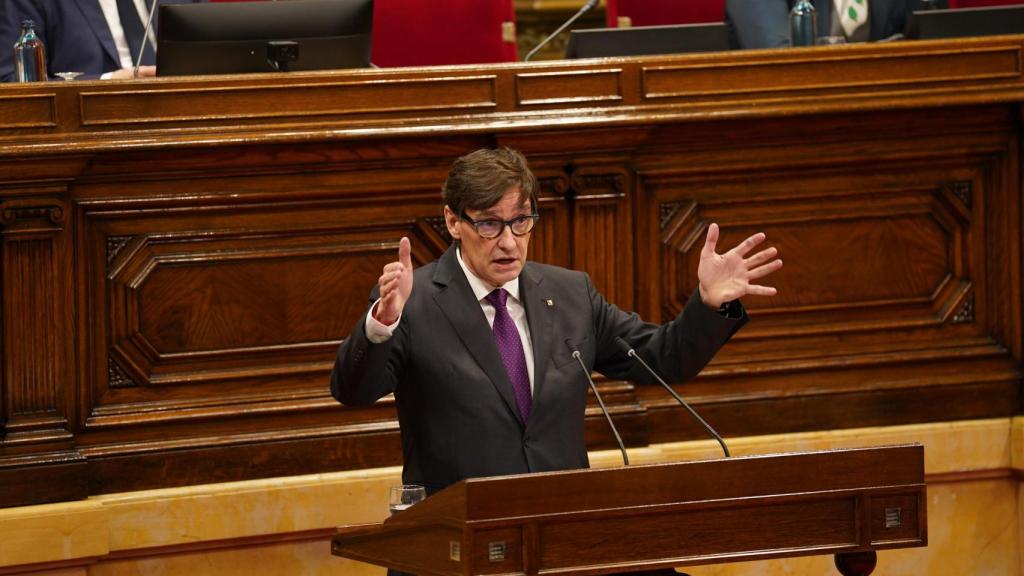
<point>479,179</point>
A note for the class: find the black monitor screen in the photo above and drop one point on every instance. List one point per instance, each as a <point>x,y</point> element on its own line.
<point>238,37</point>
<point>958,23</point>
<point>640,40</point>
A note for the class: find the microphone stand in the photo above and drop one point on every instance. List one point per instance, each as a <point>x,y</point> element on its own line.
<point>632,353</point>
<point>586,8</point>
<point>145,39</point>
<point>600,402</point>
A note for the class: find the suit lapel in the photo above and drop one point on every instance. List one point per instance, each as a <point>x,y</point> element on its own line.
<point>539,317</point>
<point>93,15</point>
<point>458,303</point>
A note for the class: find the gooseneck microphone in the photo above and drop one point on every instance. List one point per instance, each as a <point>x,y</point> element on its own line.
<point>579,358</point>
<point>632,353</point>
<point>145,39</point>
<point>586,8</point>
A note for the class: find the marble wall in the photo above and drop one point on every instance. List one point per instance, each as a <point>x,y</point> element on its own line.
<point>282,526</point>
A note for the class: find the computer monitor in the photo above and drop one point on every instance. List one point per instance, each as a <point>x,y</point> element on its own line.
<point>641,40</point>
<point>961,22</point>
<point>239,37</point>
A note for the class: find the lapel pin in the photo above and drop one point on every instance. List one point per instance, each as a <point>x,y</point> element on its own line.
<point>550,303</point>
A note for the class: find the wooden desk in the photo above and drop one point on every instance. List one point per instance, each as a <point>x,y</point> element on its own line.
<point>180,257</point>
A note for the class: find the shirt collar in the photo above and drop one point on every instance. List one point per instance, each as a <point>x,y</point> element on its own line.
<point>480,288</point>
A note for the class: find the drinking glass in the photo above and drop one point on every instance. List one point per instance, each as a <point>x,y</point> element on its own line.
<point>404,496</point>
<point>830,40</point>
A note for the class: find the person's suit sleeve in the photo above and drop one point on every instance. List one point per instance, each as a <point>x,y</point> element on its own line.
<point>363,371</point>
<point>678,350</point>
<point>759,23</point>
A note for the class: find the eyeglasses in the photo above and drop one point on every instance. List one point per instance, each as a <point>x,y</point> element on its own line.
<point>489,229</point>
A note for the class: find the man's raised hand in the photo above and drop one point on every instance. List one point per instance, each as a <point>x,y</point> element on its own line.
<point>726,277</point>
<point>395,284</point>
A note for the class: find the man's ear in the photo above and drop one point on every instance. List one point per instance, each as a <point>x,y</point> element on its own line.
<point>451,220</point>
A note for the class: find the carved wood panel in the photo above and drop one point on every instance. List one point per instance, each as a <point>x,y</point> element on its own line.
<point>871,256</point>
<point>242,314</point>
<point>34,281</point>
<point>888,278</point>
<point>38,462</point>
<point>180,314</point>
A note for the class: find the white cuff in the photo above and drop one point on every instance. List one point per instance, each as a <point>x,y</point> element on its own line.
<point>375,331</point>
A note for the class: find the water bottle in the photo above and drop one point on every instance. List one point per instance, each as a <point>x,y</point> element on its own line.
<point>29,54</point>
<point>803,23</point>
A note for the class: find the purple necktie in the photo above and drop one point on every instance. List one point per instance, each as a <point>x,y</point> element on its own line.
<point>510,346</point>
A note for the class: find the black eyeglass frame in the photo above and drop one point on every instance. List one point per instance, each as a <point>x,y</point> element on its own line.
<point>525,217</point>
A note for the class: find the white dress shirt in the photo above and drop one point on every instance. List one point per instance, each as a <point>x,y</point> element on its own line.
<point>379,333</point>
<point>124,54</point>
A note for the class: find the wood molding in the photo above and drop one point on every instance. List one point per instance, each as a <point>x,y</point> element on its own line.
<point>180,259</point>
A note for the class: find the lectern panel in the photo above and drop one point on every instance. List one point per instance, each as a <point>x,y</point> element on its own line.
<point>418,549</point>
<point>683,534</point>
<point>657,522</point>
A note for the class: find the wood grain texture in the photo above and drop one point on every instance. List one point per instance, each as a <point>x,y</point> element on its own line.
<point>181,256</point>
<point>30,111</point>
<point>642,517</point>
<point>286,101</point>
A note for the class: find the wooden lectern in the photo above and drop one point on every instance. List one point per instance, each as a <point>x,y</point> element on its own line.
<point>843,502</point>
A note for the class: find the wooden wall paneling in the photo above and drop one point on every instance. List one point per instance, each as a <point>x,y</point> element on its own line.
<point>1005,297</point>
<point>893,192</point>
<point>602,219</point>
<point>882,270</point>
<point>552,241</point>
<point>28,111</point>
<point>813,76</point>
<point>202,461</point>
<point>37,387</point>
<point>220,322</point>
<point>569,87</point>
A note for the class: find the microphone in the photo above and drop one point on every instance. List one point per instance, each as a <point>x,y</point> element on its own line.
<point>632,353</point>
<point>579,358</point>
<point>586,8</point>
<point>145,39</point>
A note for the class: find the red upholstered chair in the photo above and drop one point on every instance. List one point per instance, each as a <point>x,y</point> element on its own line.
<point>623,13</point>
<point>428,32</point>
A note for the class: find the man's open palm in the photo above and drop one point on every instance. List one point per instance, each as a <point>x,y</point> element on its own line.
<point>726,277</point>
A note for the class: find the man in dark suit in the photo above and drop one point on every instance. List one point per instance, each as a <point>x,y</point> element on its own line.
<point>477,346</point>
<point>765,23</point>
<point>93,37</point>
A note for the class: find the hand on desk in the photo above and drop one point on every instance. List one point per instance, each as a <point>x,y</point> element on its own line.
<point>126,73</point>
<point>726,277</point>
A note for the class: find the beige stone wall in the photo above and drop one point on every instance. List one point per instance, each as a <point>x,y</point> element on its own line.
<point>282,526</point>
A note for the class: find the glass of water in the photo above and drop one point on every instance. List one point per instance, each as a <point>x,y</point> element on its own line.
<point>404,496</point>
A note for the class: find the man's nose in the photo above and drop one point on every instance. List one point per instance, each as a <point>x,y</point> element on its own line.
<point>506,239</point>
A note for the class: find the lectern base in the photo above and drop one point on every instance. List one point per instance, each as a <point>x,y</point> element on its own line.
<point>856,563</point>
